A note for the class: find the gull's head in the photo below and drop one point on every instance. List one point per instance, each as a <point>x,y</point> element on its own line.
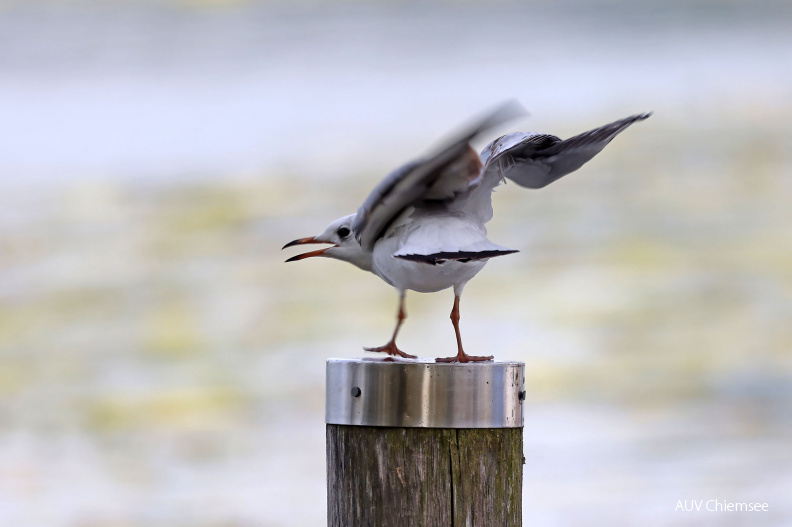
<point>344,246</point>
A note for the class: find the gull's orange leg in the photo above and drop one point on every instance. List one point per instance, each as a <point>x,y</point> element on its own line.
<point>461,356</point>
<point>390,348</point>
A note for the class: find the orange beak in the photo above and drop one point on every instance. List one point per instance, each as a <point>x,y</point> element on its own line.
<point>303,241</point>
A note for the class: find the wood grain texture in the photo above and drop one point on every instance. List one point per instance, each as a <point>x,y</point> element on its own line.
<point>427,477</point>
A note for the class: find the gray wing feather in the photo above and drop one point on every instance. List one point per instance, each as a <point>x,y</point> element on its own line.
<point>509,156</point>
<point>408,184</point>
<point>536,160</point>
<point>543,159</point>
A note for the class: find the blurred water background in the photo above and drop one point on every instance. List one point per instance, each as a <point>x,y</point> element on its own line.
<point>161,366</point>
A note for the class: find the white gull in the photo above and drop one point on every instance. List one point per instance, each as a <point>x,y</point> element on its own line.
<point>423,227</point>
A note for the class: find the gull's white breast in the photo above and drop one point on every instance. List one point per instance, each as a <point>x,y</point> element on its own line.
<point>428,234</point>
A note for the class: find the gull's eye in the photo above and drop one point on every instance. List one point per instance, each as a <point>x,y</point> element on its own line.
<point>343,232</point>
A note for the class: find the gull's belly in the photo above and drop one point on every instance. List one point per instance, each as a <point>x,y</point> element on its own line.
<point>423,277</point>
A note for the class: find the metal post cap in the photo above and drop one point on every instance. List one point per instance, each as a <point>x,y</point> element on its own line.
<point>423,394</point>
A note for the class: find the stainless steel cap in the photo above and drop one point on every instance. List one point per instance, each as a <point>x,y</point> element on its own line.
<point>373,392</point>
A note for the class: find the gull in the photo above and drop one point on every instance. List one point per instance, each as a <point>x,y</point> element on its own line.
<point>423,227</point>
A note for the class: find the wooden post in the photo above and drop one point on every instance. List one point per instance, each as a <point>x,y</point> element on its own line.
<point>424,444</point>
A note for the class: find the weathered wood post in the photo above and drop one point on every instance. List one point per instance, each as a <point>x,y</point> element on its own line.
<point>424,444</point>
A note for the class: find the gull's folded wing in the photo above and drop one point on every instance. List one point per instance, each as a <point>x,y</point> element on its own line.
<point>440,177</point>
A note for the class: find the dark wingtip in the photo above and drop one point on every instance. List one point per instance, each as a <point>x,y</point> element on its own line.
<point>506,111</point>
<point>503,113</point>
<point>464,256</point>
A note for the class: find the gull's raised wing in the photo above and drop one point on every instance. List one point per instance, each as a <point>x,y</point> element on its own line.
<point>536,160</point>
<point>441,177</point>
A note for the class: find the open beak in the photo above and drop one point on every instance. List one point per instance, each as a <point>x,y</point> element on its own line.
<point>303,241</point>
